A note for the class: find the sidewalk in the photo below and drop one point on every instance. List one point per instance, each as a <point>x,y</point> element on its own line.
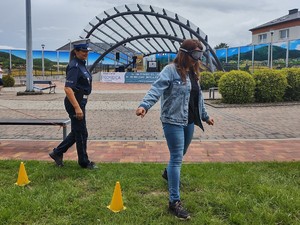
<point>241,134</point>
<point>157,152</point>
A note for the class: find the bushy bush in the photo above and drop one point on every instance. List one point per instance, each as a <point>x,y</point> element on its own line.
<point>207,80</point>
<point>270,85</point>
<point>8,81</point>
<point>292,91</point>
<point>217,76</point>
<point>230,66</point>
<point>237,87</point>
<point>246,68</point>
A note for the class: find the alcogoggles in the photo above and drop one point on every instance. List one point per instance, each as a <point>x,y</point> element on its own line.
<point>195,54</point>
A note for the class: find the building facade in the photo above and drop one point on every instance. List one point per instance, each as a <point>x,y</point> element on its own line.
<point>282,29</point>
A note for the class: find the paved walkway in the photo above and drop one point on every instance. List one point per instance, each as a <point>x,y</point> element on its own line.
<point>253,133</point>
<point>156,151</point>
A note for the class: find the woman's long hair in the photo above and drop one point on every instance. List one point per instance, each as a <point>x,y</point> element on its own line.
<point>184,62</point>
<point>72,55</point>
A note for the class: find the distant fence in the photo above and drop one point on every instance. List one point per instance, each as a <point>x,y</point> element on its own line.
<point>55,62</point>
<point>270,55</point>
<point>250,57</point>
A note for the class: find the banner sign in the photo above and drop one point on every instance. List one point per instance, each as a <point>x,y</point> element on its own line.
<point>112,77</point>
<point>141,77</point>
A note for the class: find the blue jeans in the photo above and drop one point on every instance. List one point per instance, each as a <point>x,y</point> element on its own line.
<point>178,139</point>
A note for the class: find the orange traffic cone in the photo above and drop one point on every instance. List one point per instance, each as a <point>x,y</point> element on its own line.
<point>22,177</point>
<point>116,204</point>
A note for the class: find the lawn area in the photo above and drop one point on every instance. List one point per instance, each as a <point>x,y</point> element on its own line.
<point>214,193</point>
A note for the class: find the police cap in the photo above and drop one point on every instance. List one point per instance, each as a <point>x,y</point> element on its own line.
<point>82,44</point>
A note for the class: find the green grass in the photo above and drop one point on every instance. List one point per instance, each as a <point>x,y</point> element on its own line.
<point>214,193</point>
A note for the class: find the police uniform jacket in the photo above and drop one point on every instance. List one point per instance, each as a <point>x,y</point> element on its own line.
<point>78,77</point>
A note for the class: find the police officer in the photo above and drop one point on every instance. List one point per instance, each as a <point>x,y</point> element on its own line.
<point>78,86</point>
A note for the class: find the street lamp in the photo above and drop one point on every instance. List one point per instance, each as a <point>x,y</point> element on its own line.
<point>43,66</point>
<point>70,45</point>
<point>271,50</point>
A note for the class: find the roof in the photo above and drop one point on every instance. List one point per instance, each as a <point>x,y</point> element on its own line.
<point>294,14</point>
<point>142,29</point>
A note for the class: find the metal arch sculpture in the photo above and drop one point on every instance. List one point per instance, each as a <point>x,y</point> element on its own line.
<point>147,29</point>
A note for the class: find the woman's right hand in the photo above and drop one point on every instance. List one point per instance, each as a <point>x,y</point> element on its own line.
<point>71,96</point>
<point>140,111</point>
<point>79,114</point>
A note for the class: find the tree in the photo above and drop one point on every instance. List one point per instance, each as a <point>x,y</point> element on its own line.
<point>221,45</point>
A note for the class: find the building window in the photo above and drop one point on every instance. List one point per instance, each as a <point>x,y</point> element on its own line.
<point>284,34</point>
<point>262,38</point>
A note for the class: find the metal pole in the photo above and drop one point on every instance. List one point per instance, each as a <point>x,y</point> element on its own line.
<point>29,60</point>
<point>287,54</point>
<point>239,56</point>
<point>70,46</point>
<point>10,68</point>
<point>208,59</point>
<point>271,51</point>
<point>57,62</point>
<point>252,58</point>
<point>43,64</point>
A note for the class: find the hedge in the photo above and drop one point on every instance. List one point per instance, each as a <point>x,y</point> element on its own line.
<point>237,87</point>
<point>270,85</point>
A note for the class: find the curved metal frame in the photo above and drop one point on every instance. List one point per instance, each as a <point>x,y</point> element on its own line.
<point>148,38</point>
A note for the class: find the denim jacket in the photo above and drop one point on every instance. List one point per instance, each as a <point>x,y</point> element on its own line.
<point>175,96</point>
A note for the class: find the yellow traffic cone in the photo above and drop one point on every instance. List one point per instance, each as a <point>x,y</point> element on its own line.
<point>116,204</point>
<point>22,177</point>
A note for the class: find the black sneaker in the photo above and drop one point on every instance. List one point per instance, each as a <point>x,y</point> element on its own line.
<point>57,158</point>
<point>177,209</point>
<point>165,174</point>
<point>91,166</point>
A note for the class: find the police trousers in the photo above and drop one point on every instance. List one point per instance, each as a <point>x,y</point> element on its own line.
<point>78,134</point>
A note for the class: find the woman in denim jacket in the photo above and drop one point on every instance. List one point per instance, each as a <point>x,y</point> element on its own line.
<point>182,107</point>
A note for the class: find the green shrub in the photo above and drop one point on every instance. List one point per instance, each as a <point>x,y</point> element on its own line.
<point>217,76</point>
<point>230,66</point>
<point>270,85</point>
<point>207,80</point>
<point>8,81</point>
<point>292,91</point>
<point>246,68</point>
<point>237,87</point>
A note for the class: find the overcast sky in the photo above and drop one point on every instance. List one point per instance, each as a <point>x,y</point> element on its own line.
<point>54,22</point>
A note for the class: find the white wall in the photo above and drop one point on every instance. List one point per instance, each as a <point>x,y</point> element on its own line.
<point>294,33</point>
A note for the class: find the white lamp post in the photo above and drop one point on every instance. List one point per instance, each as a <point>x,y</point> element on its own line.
<point>271,50</point>
<point>70,45</point>
<point>43,66</point>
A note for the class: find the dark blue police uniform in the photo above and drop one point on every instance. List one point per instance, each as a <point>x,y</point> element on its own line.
<point>80,80</point>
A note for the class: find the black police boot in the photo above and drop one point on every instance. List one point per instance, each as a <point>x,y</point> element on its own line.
<point>91,166</point>
<point>57,158</point>
<point>177,209</point>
